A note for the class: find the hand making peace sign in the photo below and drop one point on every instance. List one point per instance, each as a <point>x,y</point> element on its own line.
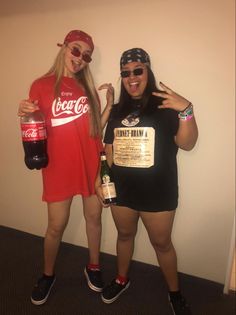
<point>172,99</point>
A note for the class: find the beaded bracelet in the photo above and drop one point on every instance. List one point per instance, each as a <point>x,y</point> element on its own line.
<point>187,113</point>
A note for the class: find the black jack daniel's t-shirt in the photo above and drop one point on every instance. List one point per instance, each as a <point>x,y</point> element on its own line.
<point>144,158</point>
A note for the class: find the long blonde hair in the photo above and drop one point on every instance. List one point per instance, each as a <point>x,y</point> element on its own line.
<point>85,78</point>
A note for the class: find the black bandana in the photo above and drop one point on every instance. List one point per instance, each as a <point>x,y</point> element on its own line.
<point>134,55</point>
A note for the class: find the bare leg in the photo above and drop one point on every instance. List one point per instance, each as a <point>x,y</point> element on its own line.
<point>126,221</point>
<point>92,214</point>
<point>159,227</point>
<point>58,216</point>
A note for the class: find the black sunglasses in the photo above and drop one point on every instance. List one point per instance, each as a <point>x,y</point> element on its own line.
<point>127,73</point>
<point>77,53</point>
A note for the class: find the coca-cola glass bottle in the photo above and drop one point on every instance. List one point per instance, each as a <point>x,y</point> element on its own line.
<point>34,139</point>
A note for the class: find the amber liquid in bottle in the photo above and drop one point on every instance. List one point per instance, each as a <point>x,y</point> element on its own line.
<point>108,185</point>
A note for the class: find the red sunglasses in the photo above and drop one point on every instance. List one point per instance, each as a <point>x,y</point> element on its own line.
<point>77,53</point>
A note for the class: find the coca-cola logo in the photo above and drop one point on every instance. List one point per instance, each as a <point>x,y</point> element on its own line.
<point>29,133</point>
<point>33,131</point>
<point>73,109</point>
<point>70,107</point>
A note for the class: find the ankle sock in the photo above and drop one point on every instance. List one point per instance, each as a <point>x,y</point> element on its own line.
<point>121,280</point>
<point>93,267</point>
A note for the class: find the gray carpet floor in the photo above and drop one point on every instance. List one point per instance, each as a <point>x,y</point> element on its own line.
<point>21,264</point>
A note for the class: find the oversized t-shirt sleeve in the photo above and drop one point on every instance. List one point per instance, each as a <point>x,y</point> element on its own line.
<point>109,134</point>
<point>174,121</point>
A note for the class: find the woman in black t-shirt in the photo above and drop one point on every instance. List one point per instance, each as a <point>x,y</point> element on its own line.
<point>142,138</point>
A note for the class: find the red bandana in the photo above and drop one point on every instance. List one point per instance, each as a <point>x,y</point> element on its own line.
<point>78,35</point>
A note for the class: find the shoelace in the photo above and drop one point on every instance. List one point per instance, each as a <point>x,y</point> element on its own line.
<point>96,273</point>
<point>114,286</point>
<point>42,284</point>
<point>181,303</point>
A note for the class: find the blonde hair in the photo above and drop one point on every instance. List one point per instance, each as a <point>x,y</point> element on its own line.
<point>85,78</point>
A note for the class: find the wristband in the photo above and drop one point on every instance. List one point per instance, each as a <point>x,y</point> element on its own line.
<point>187,113</point>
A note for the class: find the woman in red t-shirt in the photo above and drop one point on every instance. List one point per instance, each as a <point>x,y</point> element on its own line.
<point>68,99</point>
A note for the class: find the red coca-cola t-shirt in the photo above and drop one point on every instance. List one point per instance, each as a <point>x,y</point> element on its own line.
<point>73,153</point>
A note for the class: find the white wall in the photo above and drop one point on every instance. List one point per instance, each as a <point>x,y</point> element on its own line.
<point>191,44</point>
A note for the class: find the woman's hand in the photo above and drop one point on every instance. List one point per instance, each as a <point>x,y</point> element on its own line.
<point>187,133</point>
<point>172,99</point>
<point>98,189</point>
<point>110,101</point>
<point>27,107</point>
<point>110,93</point>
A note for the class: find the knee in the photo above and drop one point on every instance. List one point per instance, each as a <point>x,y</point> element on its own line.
<point>55,231</point>
<point>162,245</point>
<point>93,217</point>
<point>124,235</point>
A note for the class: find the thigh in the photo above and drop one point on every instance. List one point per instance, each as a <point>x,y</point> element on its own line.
<point>125,219</point>
<point>158,225</point>
<point>59,212</point>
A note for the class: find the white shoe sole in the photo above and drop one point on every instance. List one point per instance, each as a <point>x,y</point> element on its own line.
<point>116,297</point>
<point>35,302</point>
<point>91,286</point>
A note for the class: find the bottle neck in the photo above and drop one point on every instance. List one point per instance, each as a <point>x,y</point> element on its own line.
<point>103,158</point>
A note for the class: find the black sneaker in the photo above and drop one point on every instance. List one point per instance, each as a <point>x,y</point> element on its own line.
<point>42,289</point>
<point>179,306</point>
<point>94,279</point>
<point>111,292</point>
